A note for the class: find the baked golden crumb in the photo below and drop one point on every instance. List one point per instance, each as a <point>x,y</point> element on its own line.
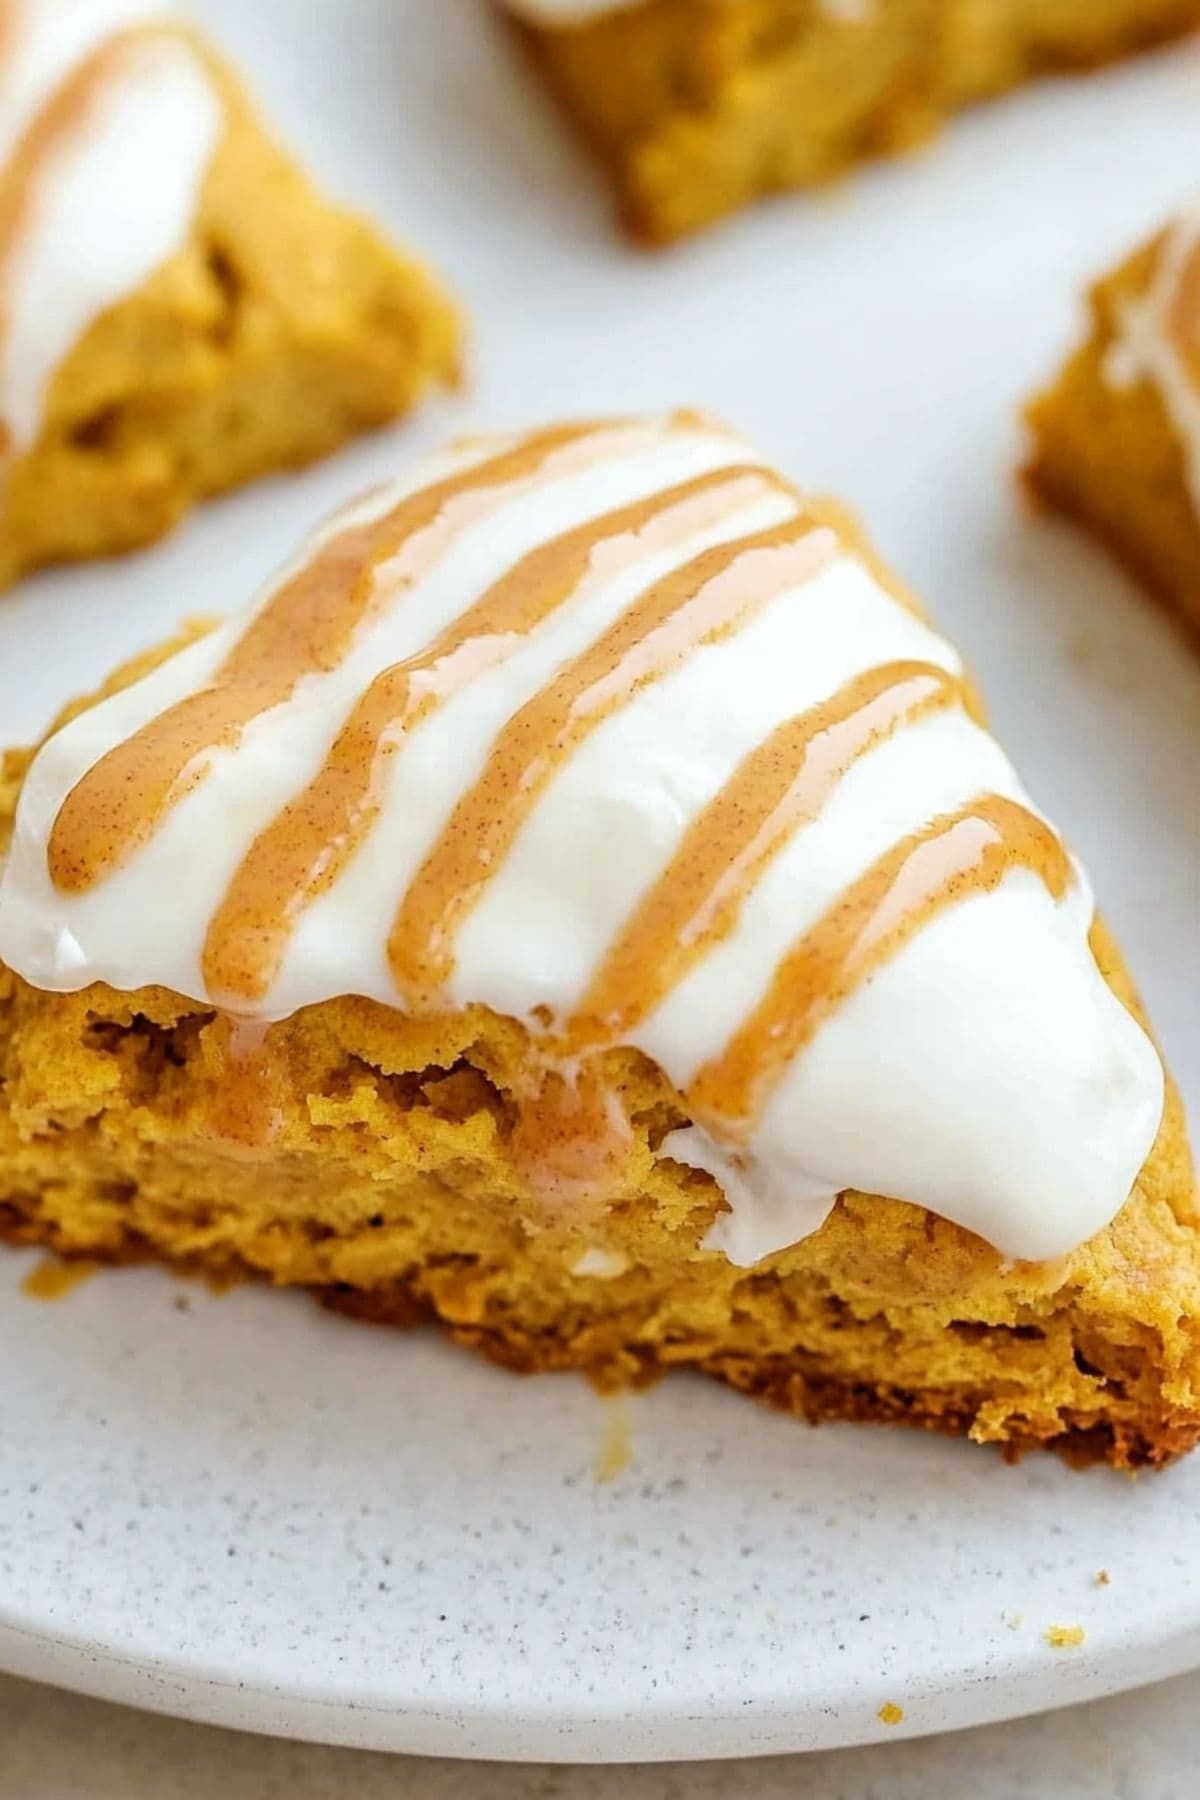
<point>392,1183</point>
<point>1106,449</point>
<point>276,325</point>
<point>698,106</point>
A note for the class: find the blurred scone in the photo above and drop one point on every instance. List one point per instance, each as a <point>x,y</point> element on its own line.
<point>1116,438</point>
<point>180,309</point>
<point>698,106</point>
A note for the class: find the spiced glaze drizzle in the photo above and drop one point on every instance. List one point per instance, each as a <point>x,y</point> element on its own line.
<point>63,115</point>
<point>310,624</point>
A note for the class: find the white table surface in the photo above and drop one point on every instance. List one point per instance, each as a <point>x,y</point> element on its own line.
<point>1140,1746</point>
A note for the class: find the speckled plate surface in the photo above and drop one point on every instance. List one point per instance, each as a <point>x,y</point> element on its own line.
<point>240,1509</point>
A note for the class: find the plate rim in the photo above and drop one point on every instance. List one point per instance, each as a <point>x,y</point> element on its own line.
<point>667,1730</point>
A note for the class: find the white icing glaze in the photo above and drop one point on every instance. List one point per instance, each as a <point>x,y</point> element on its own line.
<point>1146,348</point>
<point>49,39</point>
<point>985,1071</point>
<point>113,196</point>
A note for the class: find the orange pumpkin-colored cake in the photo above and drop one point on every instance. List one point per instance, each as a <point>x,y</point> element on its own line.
<point>1116,438</point>
<point>579,901</point>
<point>180,309</point>
<point>699,106</point>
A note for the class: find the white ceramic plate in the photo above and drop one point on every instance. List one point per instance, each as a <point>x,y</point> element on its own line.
<point>240,1509</point>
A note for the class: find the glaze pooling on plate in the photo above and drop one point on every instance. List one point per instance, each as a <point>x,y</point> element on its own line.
<point>108,121</point>
<point>607,727</point>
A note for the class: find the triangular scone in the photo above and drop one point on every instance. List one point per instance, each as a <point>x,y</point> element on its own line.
<point>1117,438</point>
<point>180,309</point>
<point>698,107</point>
<point>567,901</point>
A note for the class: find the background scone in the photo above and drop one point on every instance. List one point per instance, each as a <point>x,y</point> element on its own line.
<point>698,106</point>
<point>578,901</point>
<point>180,309</point>
<point>1116,439</point>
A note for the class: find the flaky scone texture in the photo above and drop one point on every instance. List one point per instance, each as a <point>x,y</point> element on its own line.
<point>393,1187</point>
<point>285,325</point>
<point>698,106</point>
<point>1105,452</point>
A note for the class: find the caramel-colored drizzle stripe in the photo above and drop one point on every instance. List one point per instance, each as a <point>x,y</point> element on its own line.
<point>307,627</point>
<point>779,787</point>
<point>9,23</point>
<point>53,126</point>
<point>710,597</point>
<point>305,849</point>
<point>956,855</point>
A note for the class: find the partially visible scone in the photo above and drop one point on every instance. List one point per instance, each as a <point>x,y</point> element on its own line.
<point>580,903</point>
<point>699,106</point>
<point>1116,439</point>
<point>180,309</point>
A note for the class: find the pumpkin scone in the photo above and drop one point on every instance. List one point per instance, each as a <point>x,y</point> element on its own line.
<point>1116,438</point>
<point>699,106</point>
<point>180,309</point>
<point>580,902</point>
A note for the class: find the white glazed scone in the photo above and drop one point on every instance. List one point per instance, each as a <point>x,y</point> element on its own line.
<point>579,899</point>
<point>179,308</point>
<point>699,106</point>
